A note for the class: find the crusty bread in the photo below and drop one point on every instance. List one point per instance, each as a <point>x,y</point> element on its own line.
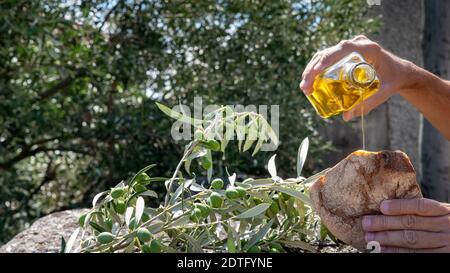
<point>356,186</point>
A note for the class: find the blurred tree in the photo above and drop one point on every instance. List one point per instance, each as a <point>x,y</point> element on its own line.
<point>79,79</point>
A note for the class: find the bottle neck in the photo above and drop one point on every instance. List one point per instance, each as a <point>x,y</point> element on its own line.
<point>361,75</point>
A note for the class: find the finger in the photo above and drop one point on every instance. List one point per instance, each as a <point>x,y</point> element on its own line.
<point>412,250</point>
<point>311,63</point>
<point>359,37</point>
<point>324,60</point>
<point>375,223</point>
<point>418,206</point>
<point>304,85</point>
<point>368,104</point>
<point>409,239</point>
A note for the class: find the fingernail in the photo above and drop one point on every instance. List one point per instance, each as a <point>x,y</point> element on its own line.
<point>366,222</point>
<point>302,84</point>
<point>369,236</point>
<point>384,207</point>
<point>347,117</point>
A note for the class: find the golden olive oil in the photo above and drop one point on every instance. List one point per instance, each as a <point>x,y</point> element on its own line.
<point>332,97</point>
<point>362,123</point>
<point>344,85</point>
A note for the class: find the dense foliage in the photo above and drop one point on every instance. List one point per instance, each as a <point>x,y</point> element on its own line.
<point>78,80</point>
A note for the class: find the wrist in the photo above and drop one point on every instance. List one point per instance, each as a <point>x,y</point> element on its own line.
<point>415,77</point>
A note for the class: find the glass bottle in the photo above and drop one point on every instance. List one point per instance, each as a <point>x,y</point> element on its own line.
<point>343,85</point>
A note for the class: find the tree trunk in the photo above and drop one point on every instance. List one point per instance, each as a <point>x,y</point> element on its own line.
<point>435,148</point>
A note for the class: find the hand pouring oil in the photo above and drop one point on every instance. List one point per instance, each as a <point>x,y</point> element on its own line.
<point>344,85</point>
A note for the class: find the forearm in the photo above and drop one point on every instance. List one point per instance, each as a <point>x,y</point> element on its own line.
<point>431,96</point>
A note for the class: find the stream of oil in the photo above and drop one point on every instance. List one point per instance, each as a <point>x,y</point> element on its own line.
<point>362,121</point>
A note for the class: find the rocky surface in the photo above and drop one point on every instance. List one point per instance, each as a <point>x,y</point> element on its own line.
<point>45,234</point>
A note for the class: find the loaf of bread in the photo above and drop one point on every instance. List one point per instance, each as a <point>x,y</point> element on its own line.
<point>356,186</point>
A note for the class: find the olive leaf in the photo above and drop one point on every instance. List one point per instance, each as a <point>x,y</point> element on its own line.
<point>231,239</point>
<point>143,170</point>
<point>71,241</point>
<point>156,227</point>
<point>210,170</point>
<point>299,244</point>
<point>270,132</point>
<point>255,211</point>
<point>299,195</point>
<point>232,179</point>
<point>63,245</point>
<point>193,218</point>
<point>259,235</point>
<point>261,182</point>
<point>128,215</point>
<point>261,136</point>
<point>97,197</point>
<point>271,167</point>
<point>196,247</point>
<point>140,203</point>
<point>149,193</point>
<point>196,187</point>
<point>301,155</point>
<point>177,115</point>
<point>252,134</point>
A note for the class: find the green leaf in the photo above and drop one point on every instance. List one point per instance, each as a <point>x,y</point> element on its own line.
<point>270,132</point>
<point>240,130</point>
<point>97,227</point>
<point>196,247</point>
<point>209,172</point>
<point>232,179</point>
<point>71,241</point>
<point>87,219</point>
<point>97,197</point>
<point>140,204</point>
<point>63,245</point>
<point>231,246</point>
<point>196,187</point>
<point>252,135</point>
<point>143,170</point>
<point>156,227</point>
<point>299,195</point>
<point>259,235</point>
<point>149,193</point>
<point>228,135</point>
<point>184,185</point>
<point>178,116</point>
<point>255,211</point>
<point>260,182</point>
<point>299,244</point>
<point>323,231</point>
<point>180,222</point>
<point>271,166</point>
<point>301,155</point>
<point>261,137</point>
<point>128,214</point>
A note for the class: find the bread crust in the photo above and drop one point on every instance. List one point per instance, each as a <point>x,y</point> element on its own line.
<point>356,186</point>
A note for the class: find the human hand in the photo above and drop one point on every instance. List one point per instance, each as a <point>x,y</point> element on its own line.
<point>392,71</point>
<point>414,225</point>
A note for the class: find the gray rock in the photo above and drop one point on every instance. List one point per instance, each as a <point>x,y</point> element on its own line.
<point>45,234</point>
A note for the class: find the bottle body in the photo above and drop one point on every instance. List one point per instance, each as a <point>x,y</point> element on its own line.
<point>343,85</point>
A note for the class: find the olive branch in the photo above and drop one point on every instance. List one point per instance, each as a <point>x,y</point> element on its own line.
<point>255,215</point>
